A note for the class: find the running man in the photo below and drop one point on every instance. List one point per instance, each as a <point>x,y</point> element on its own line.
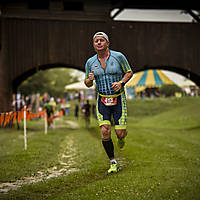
<point>111,71</point>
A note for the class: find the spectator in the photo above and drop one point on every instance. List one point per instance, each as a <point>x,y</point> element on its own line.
<point>76,111</point>
<point>87,107</point>
<point>50,110</point>
<point>18,105</point>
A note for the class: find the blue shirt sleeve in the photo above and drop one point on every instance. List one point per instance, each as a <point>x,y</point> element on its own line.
<point>124,63</point>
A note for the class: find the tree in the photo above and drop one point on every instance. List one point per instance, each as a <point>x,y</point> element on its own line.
<point>51,81</point>
<point>169,90</point>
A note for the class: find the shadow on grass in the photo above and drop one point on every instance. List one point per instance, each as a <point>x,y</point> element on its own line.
<point>94,132</point>
<point>193,128</point>
<point>34,129</point>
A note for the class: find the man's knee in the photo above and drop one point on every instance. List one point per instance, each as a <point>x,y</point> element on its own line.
<point>106,131</point>
<point>121,133</point>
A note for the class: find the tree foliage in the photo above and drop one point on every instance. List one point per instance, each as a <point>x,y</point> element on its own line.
<point>51,81</point>
<point>169,90</point>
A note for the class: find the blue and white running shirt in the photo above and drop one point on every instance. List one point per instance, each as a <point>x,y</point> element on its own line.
<point>116,66</point>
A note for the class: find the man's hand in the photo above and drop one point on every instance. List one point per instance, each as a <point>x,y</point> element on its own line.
<point>89,81</point>
<point>91,76</point>
<point>116,86</point>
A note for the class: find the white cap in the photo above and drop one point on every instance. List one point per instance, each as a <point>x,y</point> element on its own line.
<point>51,99</point>
<point>18,96</point>
<point>101,34</point>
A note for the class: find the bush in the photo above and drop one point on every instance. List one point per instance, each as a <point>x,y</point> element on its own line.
<point>169,90</point>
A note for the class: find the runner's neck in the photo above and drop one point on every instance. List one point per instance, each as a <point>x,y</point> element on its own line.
<point>103,55</point>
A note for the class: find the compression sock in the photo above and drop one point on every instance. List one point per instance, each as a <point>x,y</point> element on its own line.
<point>109,147</point>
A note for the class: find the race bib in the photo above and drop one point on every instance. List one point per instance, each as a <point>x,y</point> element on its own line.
<point>109,101</point>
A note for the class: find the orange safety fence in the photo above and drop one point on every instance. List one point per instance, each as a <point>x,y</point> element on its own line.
<point>50,119</point>
<point>9,118</point>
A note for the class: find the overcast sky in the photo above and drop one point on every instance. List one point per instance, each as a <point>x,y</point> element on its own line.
<point>153,15</point>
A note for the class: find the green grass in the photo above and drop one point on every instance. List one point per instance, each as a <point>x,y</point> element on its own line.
<point>161,160</point>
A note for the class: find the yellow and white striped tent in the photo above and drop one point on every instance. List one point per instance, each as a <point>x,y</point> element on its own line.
<point>148,79</point>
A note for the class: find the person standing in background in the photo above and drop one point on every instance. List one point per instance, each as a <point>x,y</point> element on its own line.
<point>87,108</point>
<point>18,104</point>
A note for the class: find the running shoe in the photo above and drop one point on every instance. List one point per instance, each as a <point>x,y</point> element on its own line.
<point>121,143</point>
<point>113,168</point>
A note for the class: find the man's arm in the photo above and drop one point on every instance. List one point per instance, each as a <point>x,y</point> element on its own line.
<point>127,76</point>
<point>118,85</point>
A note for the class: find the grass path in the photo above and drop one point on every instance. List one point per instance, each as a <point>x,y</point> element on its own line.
<point>161,159</point>
<point>66,159</point>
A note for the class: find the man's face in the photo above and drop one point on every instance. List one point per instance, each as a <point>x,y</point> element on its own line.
<point>100,43</point>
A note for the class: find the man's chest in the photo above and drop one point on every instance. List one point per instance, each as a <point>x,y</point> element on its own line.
<point>106,67</point>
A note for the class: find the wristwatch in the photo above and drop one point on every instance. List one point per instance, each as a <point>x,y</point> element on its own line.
<point>122,83</point>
